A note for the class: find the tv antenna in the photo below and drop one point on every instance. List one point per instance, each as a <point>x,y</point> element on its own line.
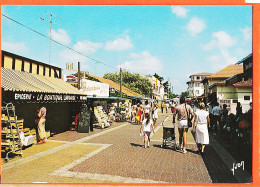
<point>51,22</point>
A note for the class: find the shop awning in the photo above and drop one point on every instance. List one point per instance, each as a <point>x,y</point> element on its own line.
<point>12,80</point>
<point>20,86</point>
<point>108,98</point>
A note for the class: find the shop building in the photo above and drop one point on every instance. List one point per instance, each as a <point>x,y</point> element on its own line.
<point>236,88</point>
<point>220,76</point>
<point>30,84</point>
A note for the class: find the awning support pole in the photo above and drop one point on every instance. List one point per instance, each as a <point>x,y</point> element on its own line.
<point>78,75</point>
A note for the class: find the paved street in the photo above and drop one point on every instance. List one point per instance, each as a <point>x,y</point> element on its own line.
<point>116,155</point>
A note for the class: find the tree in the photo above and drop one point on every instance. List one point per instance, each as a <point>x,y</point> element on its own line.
<point>166,86</point>
<point>184,94</point>
<point>158,77</point>
<point>132,81</point>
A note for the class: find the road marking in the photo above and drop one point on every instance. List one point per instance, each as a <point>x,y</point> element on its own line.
<point>159,126</point>
<point>95,176</point>
<point>55,149</point>
<point>82,159</point>
<point>64,171</point>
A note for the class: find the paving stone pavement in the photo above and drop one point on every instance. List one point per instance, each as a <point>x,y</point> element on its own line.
<point>116,155</point>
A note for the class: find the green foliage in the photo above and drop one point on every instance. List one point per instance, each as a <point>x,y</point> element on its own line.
<point>158,77</point>
<point>117,94</point>
<point>132,81</point>
<point>172,95</point>
<point>184,94</point>
<point>166,85</point>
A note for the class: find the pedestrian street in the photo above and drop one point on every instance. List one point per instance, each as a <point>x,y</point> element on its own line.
<point>116,155</point>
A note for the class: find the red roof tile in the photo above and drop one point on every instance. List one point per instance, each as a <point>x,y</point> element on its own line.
<point>247,83</point>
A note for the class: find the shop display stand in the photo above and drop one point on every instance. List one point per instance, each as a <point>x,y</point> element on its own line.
<point>11,141</point>
<point>101,117</point>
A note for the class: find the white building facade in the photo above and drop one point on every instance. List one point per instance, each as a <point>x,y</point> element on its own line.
<point>158,89</point>
<point>195,85</point>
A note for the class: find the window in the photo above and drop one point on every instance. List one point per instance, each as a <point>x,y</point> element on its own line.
<point>198,78</point>
<point>247,98</point>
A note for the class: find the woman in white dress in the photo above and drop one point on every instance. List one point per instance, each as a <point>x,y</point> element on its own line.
<point>201,128</point>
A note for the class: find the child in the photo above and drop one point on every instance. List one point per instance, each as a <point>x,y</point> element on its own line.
<point>147,127</point>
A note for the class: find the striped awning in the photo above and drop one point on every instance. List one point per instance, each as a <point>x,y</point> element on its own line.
<point>12,80</point>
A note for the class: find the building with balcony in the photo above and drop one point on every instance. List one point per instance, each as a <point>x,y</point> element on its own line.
<point>195,85</point>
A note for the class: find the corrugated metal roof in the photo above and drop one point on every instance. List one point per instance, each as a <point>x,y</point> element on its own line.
<point>12,80</point>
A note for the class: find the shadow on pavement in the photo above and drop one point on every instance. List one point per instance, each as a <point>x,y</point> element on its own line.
<point>217,169</point>
<point>165,147</point>
<point>136,145</point>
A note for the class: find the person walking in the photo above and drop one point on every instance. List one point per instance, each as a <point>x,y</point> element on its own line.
<point>211,106</point>
<point>112,112</point>
<point>217,112</point>
<point>147,127</point>
<point>41,125</point>
<point>166,107</point>
<point>224,115</point>
<point>133,114</point>
<point>201,122</point>
<point>238,111</point>
<point>155,114</point>
<point>162,107</point>
<point>147,109</point>
<point>139,114</point>
<point>182,110</point>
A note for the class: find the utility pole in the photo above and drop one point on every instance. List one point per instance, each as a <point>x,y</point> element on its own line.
<point>78,75</point>
<point>120,82</point>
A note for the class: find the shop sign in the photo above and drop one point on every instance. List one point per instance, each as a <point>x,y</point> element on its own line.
<point>227,102</point>
<point>41,97</point>
<point>95,88</point>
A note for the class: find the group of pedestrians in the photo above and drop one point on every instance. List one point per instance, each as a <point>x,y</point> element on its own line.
<point>218,116</point>
<point>139,112</point>
<point>168,106</point>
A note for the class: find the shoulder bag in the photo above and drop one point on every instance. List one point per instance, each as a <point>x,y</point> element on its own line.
<point>189,118</point>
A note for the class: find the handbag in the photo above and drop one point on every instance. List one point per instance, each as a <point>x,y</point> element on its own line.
<point>189,118</point>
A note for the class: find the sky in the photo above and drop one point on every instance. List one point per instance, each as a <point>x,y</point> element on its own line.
<point>172,41</point>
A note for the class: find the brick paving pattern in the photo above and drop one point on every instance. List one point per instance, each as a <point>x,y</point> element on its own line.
<point>117,155</point>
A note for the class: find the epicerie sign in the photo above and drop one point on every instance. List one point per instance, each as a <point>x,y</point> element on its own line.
<point>45,97</point>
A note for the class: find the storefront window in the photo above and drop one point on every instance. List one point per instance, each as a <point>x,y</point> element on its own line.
<point>247,98</point>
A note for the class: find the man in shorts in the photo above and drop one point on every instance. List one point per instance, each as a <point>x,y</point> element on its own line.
<point>182,117</point>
